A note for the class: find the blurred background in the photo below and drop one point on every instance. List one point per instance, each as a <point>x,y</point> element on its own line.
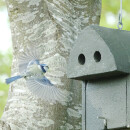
<point>109,18</point>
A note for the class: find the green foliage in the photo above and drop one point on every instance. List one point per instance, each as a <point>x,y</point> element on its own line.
<point>5,65</point>
<point>112,7</point>
<point>2,3</point>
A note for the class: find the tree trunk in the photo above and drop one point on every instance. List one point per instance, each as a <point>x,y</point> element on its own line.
<point>53,26</point>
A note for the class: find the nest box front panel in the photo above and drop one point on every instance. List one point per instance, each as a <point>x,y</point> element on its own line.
<point>128,101</point>
<point>106,98</point>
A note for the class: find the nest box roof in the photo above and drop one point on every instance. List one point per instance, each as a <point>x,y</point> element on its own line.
<point>100,52</point>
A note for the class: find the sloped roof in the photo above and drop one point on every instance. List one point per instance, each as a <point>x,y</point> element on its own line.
<point>118,42</point>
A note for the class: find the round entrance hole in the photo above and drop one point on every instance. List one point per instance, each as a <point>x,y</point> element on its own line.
<point>81,59</point>
<point>97,56</point>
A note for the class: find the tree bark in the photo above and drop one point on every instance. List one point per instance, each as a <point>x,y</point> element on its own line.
<point>53,26</point>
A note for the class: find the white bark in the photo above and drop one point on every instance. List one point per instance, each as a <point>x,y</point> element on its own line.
<point>53,26</point>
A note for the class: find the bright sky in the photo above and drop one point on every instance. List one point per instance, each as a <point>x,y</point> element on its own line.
<point>110,18</point>
<point>5,33</point>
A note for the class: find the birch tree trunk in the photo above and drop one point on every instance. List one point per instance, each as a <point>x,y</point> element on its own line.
<point>53,26</point>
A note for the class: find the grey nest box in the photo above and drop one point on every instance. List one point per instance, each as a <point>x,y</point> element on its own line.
<point>101,59</point>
